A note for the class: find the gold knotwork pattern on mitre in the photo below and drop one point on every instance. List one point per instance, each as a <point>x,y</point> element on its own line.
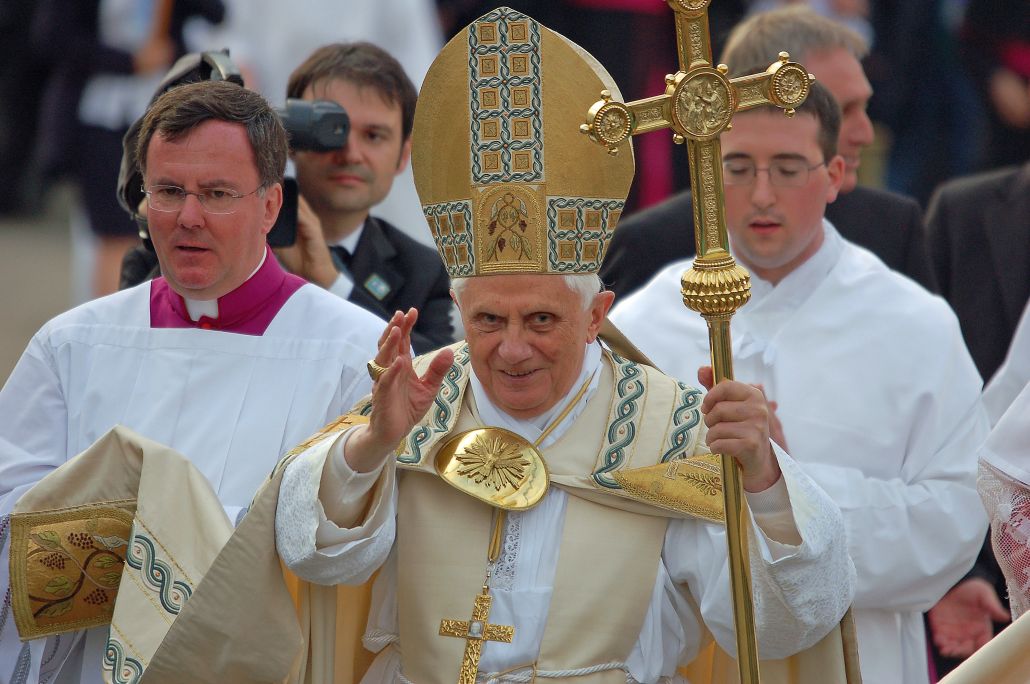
<point>496,466</point>
<point>691,486</point>
<point>507,182</point>
<point>66,566</point>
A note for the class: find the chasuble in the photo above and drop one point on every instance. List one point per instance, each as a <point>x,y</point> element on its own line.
<point>597,584</point>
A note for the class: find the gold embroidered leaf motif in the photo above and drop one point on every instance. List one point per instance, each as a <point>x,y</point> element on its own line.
<point>58,586</point>
<point>709,484</point>
<point>57,610</point>
<point>104,562</point>
<point>498,463</point>
<point>110,579</point>
<point>48,539</point>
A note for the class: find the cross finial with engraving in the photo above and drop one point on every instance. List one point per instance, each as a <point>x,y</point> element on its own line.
<point>475,632</point>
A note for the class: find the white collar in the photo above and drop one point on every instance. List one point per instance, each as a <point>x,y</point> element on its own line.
<point>797,285</point>
<point>532,428</point>
<point>350,242</point>
<point>198,308</point>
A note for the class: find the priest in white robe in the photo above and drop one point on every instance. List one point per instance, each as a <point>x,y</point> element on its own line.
<point>593,582</point>
<point>227,358</point>
<point>875,393</point>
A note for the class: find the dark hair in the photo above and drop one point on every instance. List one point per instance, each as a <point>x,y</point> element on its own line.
<point>819,104</point>
<point>364,65</point>
<point>179,111</point>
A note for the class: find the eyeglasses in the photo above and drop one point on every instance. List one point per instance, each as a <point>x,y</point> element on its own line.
<point>213,200</point>
<point>783,173</point>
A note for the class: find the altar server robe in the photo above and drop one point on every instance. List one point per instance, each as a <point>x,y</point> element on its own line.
<point>232,403</point>
<point>880,404</point>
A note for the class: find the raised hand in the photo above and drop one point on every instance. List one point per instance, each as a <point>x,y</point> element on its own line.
<point>737,416</point>
<point>399,397</point>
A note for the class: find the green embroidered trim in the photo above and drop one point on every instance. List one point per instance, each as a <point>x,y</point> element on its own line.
<point>442,415</point>
<point>685,418</point>
<point>629,388</point>
<point>505,99</point>
<point>157,574</point>
<point>123,669</point>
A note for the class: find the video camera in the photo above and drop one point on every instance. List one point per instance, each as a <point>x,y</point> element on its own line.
<point>313,126</point>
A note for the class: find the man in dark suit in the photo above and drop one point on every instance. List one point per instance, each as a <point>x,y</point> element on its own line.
<point>978,229</point>
<point>340,246</point>
<point>888,224</point>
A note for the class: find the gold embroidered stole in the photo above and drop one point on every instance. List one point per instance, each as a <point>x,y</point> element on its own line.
<point>121,535</point>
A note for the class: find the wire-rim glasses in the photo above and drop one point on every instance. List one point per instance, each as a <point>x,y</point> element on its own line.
<point>783,173</point>
<point>213,200</point>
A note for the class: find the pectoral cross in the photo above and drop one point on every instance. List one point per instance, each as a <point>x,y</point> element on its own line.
<point>475,632</point>
<point>698,105</point>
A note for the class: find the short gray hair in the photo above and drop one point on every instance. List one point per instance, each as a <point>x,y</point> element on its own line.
<point>797,30</point>
<point>586,285</point>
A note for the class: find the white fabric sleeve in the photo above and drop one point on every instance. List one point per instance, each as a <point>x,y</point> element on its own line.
<point>773,518</point>
<point>342,286</point>
<point>33,442</point>
<point>314,546</point>
<point>1014,374</point>
<point>913,537</point>
<point>799,596</point>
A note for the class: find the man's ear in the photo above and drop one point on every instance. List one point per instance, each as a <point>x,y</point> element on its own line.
<point>835,170</point>
<point>598,310</point>
<point>405,157</point>
<point>273,202</point>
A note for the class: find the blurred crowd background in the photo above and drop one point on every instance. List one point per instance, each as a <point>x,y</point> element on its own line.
<point>950,80</point>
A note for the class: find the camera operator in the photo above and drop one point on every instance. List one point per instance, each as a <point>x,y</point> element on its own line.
<point>339,245</point>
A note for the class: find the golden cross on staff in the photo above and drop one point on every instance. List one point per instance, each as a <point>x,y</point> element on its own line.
<point>698,104</point>
<point>475,632</point>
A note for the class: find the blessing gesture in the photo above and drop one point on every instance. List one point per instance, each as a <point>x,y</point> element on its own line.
<point>399,396</point>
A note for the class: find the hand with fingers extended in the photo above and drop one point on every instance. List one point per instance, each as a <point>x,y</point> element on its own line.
<point>737,417</point>
<point>962,621</point>
<point>399,396</point>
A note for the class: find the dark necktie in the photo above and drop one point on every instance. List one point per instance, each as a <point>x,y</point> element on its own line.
<point>342,258</point>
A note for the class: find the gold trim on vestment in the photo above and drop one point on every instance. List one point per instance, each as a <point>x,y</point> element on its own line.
<point>66,566</point>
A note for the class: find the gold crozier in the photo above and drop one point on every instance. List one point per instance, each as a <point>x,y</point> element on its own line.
<point>698,104</point>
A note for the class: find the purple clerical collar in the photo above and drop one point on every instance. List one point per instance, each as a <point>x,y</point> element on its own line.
<point>248,310</point>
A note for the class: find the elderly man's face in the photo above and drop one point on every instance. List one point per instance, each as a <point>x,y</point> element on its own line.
<point>205,255</point>
<point>527,335</point>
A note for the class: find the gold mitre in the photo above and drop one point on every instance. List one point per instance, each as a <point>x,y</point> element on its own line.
<point>507,182</point>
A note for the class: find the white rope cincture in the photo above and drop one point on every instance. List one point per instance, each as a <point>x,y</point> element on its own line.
<point>511,677</point>
<point>379,639</point>
<point>532,674</point>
